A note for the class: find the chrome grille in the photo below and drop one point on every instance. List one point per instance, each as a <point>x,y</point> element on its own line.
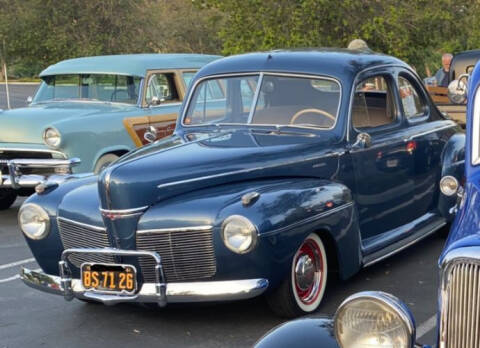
<point>78,235</point>
<point>460,324</point>
<point>187,253</point>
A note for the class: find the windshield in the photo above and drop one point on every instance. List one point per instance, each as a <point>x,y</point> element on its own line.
<point>97,87</point>
<point>266,99</point>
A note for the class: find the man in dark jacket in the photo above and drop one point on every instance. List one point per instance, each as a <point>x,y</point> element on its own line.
<point>442,74</point>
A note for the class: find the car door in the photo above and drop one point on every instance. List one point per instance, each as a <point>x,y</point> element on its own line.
<point>427,141</point>
<point>383,166</point>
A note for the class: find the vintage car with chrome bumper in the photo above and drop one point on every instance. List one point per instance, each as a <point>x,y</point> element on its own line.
<point>87,112</point>
<point>390,323</point>
<point>285,168</point>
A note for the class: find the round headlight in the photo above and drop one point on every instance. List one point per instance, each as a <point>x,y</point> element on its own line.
<point>239,234</point>
<point>52,137</point>
<point>34,221</point>
<point>449,185</point>
<point>374,320</point>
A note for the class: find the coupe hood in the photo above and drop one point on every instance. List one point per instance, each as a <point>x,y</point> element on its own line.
<point>178,165</point>
<point>26,125</point>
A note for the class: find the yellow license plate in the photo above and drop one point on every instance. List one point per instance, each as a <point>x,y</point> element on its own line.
<point>109,278</point>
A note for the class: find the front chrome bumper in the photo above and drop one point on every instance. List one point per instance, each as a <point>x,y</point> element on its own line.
<point>15,179</point>
<point>159,292</point>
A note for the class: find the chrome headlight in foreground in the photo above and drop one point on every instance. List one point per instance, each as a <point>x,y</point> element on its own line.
<point>34,221</point>
<point>449,185</point>
<point>52,137</point>
<point>374,320</point>
<point>239,234</point>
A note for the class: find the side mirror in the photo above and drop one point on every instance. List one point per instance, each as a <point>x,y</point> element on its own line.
<point>29,99</point>
<point>363,141</point>
<point>156,101</point>
<point>150,135</point>
<point>457,89</point>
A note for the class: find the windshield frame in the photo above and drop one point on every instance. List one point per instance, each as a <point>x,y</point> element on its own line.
<point>260,75</point>
<point>88,100</point>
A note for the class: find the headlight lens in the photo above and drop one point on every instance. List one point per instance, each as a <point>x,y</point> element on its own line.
<point>52,137</point>
<point>449,185</point>
<point>239,234</point>
<point>374,320</point>
<point>34,221</point>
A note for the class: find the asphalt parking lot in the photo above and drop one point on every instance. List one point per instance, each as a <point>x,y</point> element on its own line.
<point>29,318</point>
<point>19,92</point>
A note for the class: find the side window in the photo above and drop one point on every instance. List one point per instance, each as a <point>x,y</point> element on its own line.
<point>187,77</point>
<point>373,104</point>
<point>161,88</point>
<point>413,105</point>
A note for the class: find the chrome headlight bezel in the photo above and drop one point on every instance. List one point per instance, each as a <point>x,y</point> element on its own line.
<point>381,299</point>
<point>449,185</point>
<point>250,240</point>
<point>43,220</point>
<point>52,137</point>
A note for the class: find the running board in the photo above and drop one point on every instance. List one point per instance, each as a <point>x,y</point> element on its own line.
<point>404,243</point>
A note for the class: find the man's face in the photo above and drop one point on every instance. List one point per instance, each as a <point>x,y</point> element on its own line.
<point>446,60</point>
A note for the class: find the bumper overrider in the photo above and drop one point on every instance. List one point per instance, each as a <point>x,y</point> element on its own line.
<point>16,180</point>
<point>159,292</point>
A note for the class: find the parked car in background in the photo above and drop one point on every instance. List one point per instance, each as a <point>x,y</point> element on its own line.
<point>390,322</point>
<point>284,168</point>
<point>462,65</point>
<point>89,111</point>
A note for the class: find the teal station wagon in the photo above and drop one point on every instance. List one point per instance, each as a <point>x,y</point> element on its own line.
<point>88,112</point>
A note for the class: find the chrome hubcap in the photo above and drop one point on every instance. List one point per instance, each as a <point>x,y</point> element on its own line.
<point>305,272</point>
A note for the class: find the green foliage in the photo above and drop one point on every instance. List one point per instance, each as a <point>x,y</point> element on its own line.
<point>41,32</point>
<point>418,31</point>
<point>38,33</point>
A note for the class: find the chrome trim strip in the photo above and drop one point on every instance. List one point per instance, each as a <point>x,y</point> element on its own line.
<point>177,229</point>
<point>437,129</point>
<point>476,130</point>
<point>174,293</point>
<point>122,213</point>
<point>81,224</point>
<point>241,171</point>
<point>309,219</point>
<point>19,149</point>
<point>306,76</point>
<point>255,98</point>
<point>423,236</point>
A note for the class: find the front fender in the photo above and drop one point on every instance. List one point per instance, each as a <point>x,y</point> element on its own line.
<point>453,163</point>
<point>285,213</point>
<point>305,333</point>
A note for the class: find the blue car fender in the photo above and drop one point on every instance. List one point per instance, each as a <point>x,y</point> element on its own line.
<point>305,333</point>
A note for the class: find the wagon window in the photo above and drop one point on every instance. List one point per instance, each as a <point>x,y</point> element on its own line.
<point>373,104</point>
<point>161,88</point>
<point>413,105</point>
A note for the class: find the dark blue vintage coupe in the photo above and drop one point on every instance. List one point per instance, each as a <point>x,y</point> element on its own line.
<point>284,168</point>
<point>376,319</point>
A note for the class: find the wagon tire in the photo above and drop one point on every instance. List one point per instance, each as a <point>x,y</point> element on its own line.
<point>104,161</point>
<point>7,198</point>
<point>302,290</point>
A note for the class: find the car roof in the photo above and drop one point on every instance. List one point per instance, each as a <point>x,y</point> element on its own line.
<point>128,64</point>
<point>319,61</point>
